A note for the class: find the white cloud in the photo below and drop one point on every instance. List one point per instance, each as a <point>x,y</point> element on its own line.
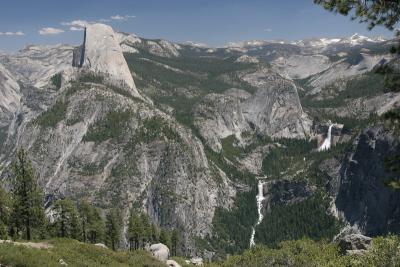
<point>77,23</point>
<point>80,24</point>
<point>50,31</point>
<point>268,30</point>
<point>122,18</point>
<point>73,28</point>
<point>18,33</point>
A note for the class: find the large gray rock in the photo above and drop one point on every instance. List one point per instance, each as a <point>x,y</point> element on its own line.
<point>160,251</point>
<point>172,263</point>
<point>196,261</point>
<point>354,243</point>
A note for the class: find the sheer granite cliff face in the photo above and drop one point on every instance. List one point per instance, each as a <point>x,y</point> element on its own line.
<point>10,98</point>
<point>273,110</point>
<point>363,199</point>
<point>103,54</point>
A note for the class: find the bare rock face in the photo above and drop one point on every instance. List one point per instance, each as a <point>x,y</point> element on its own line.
<point>358,197</point>
<point>275,109</point>
<point>219,116</point>
<point>36,64</point>
<point>103,54</point>
<point>247,59</point>
<point>10,96</point>
<point>362,198</point>
<point>301,66</point>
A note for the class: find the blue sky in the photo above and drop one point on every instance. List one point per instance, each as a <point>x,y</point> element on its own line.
<point>214,22</point>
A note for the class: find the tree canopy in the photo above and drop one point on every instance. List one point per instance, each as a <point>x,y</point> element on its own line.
<point>373,12</point>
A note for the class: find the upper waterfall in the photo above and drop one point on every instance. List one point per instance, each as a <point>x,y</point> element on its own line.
<point>328,141</point>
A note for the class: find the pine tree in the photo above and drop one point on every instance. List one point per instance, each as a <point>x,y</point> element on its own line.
<point>28,212</point>
<point>5,207</point>
<point>175,239</point>
<point>113,227</point>
<point>91,222</point>
<point>145,221</point>
<point>154,233</point>
<point>67,222</point>
<point>165,238</point>
<point>373,12</point>
<point>135,231</point>
<point>84,213</point>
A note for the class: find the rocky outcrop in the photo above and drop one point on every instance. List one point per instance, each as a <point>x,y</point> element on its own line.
<point>301,66</point>
<point>219,116</point>
<point>35,65</point>
<point>287,192</point>
<point>275,109</point>
<point>10,96</point>
<point>247,59</point>
<point>355,243</point>
<point>362,198</point>
<point>344,69</point>
<point>103,54</point>
<point>79,53</point>
<point>351,242</point>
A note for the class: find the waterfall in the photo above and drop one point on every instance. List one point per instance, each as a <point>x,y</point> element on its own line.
<point>327,142</point>
<point>259,198</point>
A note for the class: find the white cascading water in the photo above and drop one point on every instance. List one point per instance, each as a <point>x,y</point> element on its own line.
<point>327,142</point>
<point>260,197</point>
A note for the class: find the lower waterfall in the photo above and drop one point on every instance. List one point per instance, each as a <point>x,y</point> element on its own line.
<point>326,145</point>
<point>260,197</point>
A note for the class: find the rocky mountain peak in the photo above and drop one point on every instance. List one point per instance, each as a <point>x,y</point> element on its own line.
<point>103,54</point>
